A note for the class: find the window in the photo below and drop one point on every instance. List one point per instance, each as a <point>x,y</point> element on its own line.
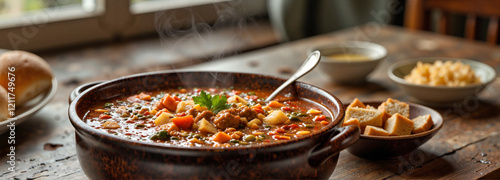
<point>36,25</point>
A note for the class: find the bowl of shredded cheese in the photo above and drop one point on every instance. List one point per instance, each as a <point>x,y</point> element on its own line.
<point>438,80</point>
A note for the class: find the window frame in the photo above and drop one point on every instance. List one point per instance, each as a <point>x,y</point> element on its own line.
<point>112,20</point>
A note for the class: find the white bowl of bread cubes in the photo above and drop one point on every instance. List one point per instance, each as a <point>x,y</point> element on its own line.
<point>439,81</point>
<point>26,85</point>
<point>390,128</point>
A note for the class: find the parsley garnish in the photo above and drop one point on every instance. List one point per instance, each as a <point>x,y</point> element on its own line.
<point>214,103</point>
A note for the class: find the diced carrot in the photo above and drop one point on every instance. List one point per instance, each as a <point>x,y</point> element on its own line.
<point>169,102</point>
<point>324,123</point>
<point>185,122</point>
<point>320,118</point>
<point>221,137</point>
<point>158,105</point>
<point>281,137</point>
<point>275,104</point>
<point>280,130</point>
<point>258,108</point>
<point>285,108</point>
<point>145,97</point>
<point>272,133</point>
<point>161,111</point>
<point>104,116</point>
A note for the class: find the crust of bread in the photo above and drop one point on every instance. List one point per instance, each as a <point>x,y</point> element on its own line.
<point>356,103</point>
<point>4,110</point>
<point>375,131</point>
<point>422,123</point>
<point>398,125</point>
<point>393,106</point>
<point>32,74</point>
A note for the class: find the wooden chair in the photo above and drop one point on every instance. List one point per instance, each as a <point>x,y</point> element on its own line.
<point>417,15</point>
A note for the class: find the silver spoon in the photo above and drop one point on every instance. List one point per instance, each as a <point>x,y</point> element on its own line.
<point>306,67</point>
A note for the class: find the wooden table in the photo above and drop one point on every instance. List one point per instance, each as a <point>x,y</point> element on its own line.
<point>467,147</point>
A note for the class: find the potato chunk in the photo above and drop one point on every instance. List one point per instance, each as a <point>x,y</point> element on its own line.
<point>164,118</point>
<point>110,125</point>
<point>276,117</point>
<point>236,99</point>
<point>206,127</point>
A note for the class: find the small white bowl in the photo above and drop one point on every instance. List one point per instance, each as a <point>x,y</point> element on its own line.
<point>440,95</point>
<point>350,72</point>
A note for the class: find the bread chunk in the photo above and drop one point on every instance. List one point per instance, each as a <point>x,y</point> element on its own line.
<point>375,131</point>
<point>352,121</point>
<point>393,106</point>
<point>365,116</point>
<point>422,123</point>
<point>356,103</point>
<point>4,103</point>
<point>398,125</point>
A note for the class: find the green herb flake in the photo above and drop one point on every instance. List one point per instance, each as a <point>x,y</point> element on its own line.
<point>162,135</point>
<point>214,103</point>
<point>108,105</point>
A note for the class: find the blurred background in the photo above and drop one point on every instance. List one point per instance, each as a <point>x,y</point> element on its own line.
<point>44,25</point>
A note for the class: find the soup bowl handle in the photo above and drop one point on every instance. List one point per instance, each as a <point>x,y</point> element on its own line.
<point>78,90</point>
<point>344,137</point>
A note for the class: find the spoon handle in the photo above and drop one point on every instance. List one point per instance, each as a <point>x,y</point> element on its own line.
<point>306,67</point>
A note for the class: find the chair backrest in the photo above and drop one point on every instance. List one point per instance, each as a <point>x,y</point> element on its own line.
<point>417,15</point>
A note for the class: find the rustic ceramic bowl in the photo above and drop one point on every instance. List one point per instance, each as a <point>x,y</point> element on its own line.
<point>440,95</point>
<point>350,72</point>
<point>383,147</point>
<point>104,156</point>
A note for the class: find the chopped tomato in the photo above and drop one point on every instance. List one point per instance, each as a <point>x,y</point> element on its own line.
<point>185,122</point>
<point>235,92</point>
<point>280,130</point>
<point>181,114</point>
<point>291,126</point>
<point>320,118</point>
<point>104,116</point>
<point>285,108</point>
<point>147,113</point>
<point>253,97</point>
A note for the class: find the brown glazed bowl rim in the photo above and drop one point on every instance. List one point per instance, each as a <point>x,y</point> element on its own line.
<point>438,123</point>
<point>80,125</point>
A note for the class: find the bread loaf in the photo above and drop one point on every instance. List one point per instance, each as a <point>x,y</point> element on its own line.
<point>32,74</point>
<point>4,110</point>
